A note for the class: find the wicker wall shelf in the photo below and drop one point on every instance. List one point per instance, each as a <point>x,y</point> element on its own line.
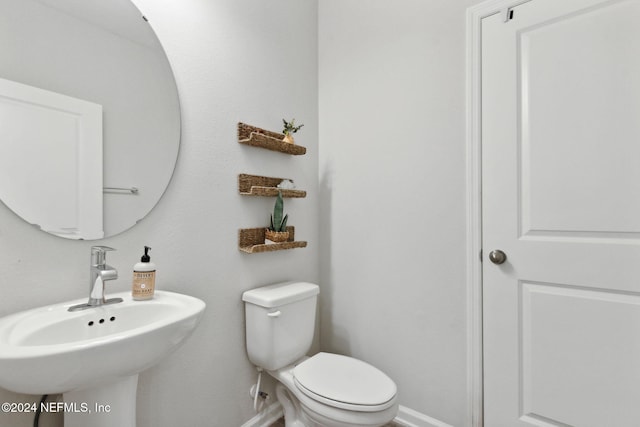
<point>255,185</point>
<point>251,241</point>
<point>257,137</point>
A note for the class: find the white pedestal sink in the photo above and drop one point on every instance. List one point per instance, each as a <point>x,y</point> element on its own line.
<point>93,356</point>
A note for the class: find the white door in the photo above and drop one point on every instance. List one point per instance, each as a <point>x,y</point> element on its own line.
<point>51,160</point>
<point>561,198</point>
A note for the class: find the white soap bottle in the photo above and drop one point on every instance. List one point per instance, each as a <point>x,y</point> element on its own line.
<point>144,278</point>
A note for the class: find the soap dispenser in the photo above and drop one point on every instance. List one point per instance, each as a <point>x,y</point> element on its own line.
<point>144,278</point>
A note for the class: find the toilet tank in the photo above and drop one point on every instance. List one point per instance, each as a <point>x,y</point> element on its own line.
<point>280,323</point>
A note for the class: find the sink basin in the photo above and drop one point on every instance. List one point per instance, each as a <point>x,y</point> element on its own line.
<point>51,350</point>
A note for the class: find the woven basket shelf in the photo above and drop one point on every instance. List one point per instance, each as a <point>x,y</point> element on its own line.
<point>256,137</point>
<point>251,241</point>
<point>255,185</point>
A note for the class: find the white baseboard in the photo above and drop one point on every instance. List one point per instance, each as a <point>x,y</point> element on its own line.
<point>406,417</point>
<point>409,418</point>
<point>266,417</point>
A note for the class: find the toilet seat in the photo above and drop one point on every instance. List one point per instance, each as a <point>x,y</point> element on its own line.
<point>344,382</point>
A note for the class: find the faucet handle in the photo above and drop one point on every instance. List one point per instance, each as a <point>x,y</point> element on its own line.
<point>99,254</point>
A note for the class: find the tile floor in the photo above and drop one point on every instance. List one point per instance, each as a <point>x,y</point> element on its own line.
<point>280,423</point>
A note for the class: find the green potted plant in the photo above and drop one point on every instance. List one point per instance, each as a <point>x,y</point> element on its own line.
<point>289,129</point>
<point>277,231</point>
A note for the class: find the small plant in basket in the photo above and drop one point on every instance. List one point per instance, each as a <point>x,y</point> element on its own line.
<point>277,231</point>
<point>289,129</point>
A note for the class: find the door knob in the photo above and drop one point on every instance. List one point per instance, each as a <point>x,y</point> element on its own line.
<point>497,256</point>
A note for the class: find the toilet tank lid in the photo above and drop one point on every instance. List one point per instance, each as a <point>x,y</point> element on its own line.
<point>280,294</point>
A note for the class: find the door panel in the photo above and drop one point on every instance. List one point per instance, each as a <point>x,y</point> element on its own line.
<point>586,64</point>
<point>573,340</point>
<point>561,197</point>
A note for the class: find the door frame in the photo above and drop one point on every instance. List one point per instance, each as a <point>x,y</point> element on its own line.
<point>474,17</point>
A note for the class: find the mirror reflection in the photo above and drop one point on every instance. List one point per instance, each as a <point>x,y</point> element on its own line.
<point>89,115</point>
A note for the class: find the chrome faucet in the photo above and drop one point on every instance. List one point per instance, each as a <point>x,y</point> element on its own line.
<point>100,272</point>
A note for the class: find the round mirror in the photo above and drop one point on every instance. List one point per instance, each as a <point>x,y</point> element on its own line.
<point>89,115</point>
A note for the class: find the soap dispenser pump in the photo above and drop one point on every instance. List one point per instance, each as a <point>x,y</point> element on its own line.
<point>144,278</point>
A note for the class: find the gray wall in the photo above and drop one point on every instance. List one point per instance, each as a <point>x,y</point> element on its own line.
<point>234,60</point>
<point>392,194</point>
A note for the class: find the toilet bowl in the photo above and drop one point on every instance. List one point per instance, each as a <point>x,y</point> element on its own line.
<point>332,390</point>
<point>325,390</point>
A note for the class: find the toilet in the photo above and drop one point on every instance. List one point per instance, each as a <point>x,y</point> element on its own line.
<point>324,390</point>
